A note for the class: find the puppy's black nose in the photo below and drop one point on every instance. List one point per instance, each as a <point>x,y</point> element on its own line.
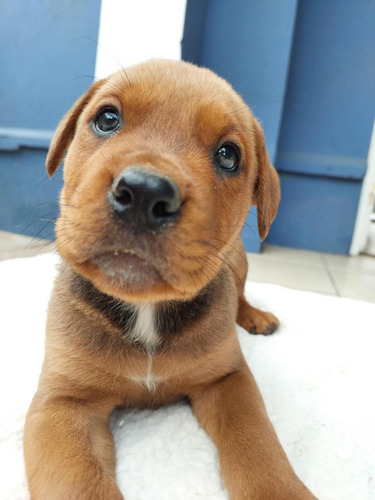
<point>143,200</point>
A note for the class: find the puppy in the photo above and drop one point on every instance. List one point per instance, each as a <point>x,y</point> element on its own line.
<point>164,160</point>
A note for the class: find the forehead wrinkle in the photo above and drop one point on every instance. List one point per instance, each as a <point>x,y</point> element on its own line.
<point>106,93</point>
<point>231,130</point>
<point>213,124</point>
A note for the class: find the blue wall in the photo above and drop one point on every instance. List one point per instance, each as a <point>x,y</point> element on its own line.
<point>307,71</point>
<point>47,60</point>
<point>316,213</point>
<point>248,43</point>
<point>327,124</point>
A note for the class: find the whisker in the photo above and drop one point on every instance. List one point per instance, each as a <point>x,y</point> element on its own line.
<point>237,110</point>
<point>64,205</point>
<point>231,246</point>
<point>114,57</point>
<point>34,221</point>
<point>38,233</point>
<point>43,179</point>
<point>205,262</point>
<point>44,246</point>
<point>34,207</point>
<point>223,259</point>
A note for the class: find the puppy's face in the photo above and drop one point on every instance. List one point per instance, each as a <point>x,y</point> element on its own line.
<point>162,166</point>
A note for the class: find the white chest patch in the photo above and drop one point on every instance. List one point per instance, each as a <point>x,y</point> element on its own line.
<point>144,329</point>
<point>144,332</point>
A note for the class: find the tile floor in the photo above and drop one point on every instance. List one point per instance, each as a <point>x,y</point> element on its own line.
<point>16,245</point>
<point>339,275</point>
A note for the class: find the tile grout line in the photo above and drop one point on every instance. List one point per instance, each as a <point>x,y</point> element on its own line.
<point>300,285</point>
<point>330,276</point>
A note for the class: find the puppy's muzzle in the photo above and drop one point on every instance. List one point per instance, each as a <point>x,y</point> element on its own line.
<point>144,201</point>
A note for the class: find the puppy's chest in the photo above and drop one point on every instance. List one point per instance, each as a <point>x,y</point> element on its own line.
<point>151,329</point>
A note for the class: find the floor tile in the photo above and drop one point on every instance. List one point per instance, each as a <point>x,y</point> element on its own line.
<point>302,277</point>
<point>16,245</point>
<point>359,264</point>
<point>292,255</point>
<point>355,285</point>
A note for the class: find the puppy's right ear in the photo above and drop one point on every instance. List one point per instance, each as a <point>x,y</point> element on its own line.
<point>64,133</point>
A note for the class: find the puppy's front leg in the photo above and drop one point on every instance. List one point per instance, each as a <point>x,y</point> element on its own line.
<point>253,463</point>
<point>69,451</point>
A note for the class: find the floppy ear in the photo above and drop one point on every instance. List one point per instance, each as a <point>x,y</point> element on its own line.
<point>267,191</point>
<point>64,133</point>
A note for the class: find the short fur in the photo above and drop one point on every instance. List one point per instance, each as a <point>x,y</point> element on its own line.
<point>190,276</point>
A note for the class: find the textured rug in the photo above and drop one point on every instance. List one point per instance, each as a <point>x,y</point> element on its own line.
<point>316,375</point>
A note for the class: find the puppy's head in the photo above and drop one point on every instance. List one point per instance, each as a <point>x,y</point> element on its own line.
<point>163,163</point>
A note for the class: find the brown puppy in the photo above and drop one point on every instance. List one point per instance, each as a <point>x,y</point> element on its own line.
<point>163,163</point>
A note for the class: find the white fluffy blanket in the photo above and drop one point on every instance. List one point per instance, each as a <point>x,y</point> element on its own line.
<point>316,374</point>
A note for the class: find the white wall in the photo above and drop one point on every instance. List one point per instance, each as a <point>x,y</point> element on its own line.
<point>363,226</point>
<point>131,31</point>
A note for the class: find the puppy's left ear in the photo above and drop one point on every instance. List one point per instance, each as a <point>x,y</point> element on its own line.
<point>267,189</point>
<point>64,133</point>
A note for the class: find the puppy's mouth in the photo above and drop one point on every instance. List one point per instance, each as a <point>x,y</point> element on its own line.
<point>126,268</point>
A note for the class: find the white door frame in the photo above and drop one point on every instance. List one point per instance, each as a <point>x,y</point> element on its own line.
<point>131,32</point>
<point>366,203</point>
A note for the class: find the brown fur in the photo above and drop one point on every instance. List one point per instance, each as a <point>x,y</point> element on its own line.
<point>175,116</point>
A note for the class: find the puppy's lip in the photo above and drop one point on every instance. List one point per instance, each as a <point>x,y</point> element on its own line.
<point>126,268</point>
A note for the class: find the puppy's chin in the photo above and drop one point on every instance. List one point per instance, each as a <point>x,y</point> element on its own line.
<point>128,277</point>
<point>127,270</point>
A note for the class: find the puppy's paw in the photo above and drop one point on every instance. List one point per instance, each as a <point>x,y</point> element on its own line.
<point>254,320</point>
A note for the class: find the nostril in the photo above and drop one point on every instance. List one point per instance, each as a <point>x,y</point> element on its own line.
<point>163,209</point>
<point>123,196</point>
<point>122,192</point>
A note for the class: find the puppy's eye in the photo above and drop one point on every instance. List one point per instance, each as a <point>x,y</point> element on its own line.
<point>107,120</point>
<point>227,157</point>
